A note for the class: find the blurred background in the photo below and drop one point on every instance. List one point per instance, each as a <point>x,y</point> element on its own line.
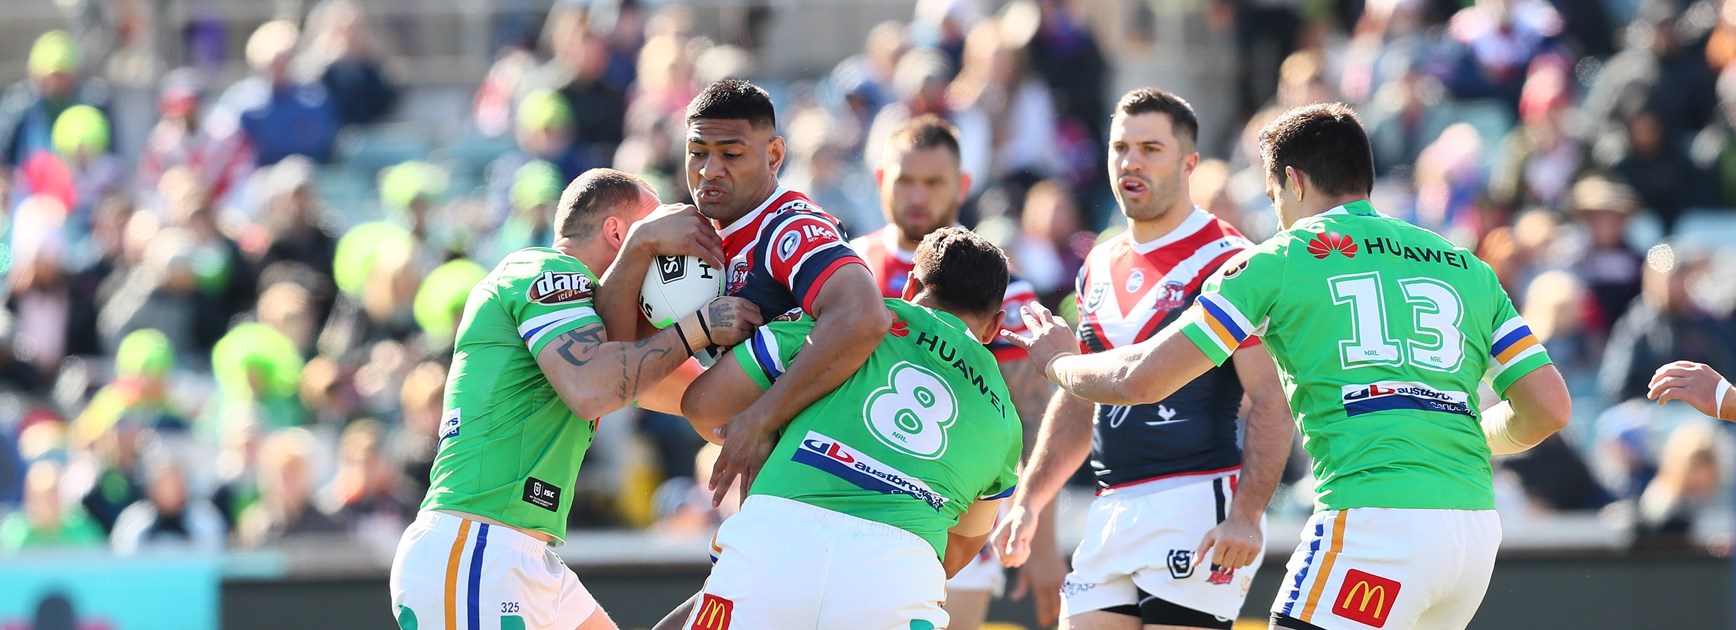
<point>238,235</point>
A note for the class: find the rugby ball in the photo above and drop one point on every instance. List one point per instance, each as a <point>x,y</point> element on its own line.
<point>676,286</point>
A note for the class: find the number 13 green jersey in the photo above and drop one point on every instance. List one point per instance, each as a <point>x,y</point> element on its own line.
<point>1380,331</point>
<point>917,434</point>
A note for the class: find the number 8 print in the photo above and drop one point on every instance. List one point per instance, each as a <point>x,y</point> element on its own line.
<point>912,412</point>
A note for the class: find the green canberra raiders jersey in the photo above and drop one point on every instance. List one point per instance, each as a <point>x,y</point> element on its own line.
<point>1380,331</point>
<point>509,447</point>
<point>921,431</point>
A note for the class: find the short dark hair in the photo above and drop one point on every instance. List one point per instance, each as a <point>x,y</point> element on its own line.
<point>964,272</point>
<point>1149,100</point>
<point>1324,140</point>
<point>594,196</point>
<point>927,131</point>
<point>734,99</point>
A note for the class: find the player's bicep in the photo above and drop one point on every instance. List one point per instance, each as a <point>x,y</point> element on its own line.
<point>978,519</point>
<point>564,359</point>
<point>1258,374</point>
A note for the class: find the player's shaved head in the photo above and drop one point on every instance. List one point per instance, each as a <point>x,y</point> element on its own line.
<point>1326,142</point>
<point>963,272</point>
<point>596,195</point>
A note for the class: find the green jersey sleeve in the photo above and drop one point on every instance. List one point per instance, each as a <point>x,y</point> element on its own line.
<point>1235,302</point>
<point>547,296</point>
<point>1008,479</point>
<point>767,354</point>
<point>1513,350</point>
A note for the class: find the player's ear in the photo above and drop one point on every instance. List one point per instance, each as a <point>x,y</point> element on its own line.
<point>1294,181</point>
<point>879,176</point>
<point>775,154</point>
<point>614,232</point>
<point>912,287</point>
<point>1192,162</point>
<point>963,185</point>
<point>992,328</point>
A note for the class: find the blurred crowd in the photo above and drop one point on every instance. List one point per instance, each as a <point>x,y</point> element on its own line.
<point>239,335</point>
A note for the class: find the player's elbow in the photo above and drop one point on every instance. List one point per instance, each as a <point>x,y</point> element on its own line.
<point>592,405</point>
<point>706,419</point>
<point>870,322</point>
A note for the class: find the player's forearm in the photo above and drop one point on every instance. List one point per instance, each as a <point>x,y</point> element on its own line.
<point>1030,395</point>
<point>960,550</point>
<point>618,293</point>
<point>1264,453</point>
<point>597,377</point>
<point>841,341</point>
<point>1537,406</point>
<point>1063,443</point>
<point>1139,374</point>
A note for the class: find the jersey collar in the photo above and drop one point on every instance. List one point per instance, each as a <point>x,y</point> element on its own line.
<point>1192,224</point>
<point>1360,207</point>
<point>753,215</point>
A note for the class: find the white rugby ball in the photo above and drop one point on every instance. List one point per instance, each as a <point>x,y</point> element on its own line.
<point>676,286</point>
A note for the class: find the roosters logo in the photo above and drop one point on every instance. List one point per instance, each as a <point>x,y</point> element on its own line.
<point>1174,296</point>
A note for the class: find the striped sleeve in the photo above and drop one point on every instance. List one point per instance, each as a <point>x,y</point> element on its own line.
<point>538,331</point>
<point>1514,353</point>
<point>1235,302</point>
<point>546,294</point>
<point>767,355</point>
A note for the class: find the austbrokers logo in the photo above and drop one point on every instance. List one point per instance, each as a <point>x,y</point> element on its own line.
<point>1325,243</point>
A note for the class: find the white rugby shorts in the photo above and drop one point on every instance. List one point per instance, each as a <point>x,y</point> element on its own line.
<point>451,572</point>
<point>1144,541</point>
<point>789,565</point>
<point>1390,568</point>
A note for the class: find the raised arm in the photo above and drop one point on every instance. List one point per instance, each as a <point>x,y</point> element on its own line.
<point>850,320</point>
<point>595,376</point>
<point>670,230</point>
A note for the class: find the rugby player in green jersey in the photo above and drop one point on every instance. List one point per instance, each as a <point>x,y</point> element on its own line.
<point>1381,331</point>
<point>881,489</point>
<point>531,372</point>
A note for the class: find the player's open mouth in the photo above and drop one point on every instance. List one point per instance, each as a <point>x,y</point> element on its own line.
<point>1133,186</point>
<point>710,194</point>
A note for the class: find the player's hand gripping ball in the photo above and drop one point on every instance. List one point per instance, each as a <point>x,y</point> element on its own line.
<point>676,286</point>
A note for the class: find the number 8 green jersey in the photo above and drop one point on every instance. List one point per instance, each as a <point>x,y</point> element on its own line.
<point>1380,331</point>
<point>917,434</point>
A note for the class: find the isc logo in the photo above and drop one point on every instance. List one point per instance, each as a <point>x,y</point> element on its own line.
<point>714,613</point>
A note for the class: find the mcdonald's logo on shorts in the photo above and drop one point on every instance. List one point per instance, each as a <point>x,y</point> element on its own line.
<point>714,613</point>
<point>1366,598</point>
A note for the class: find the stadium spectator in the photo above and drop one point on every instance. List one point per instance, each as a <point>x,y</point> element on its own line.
<point>536,187</point>
<point>366,494</point>
<point>38,294</point>
<point>1538,161</point>
<point>578,73</point>
<point>294,228</point>
<point>29,108</point>
<point>862,83</point>
<point>1052,246</point>
<point>1495,40</point>
<point>1665,324</point>
<point>944,25</point>
<point>139,392</point>
<point>277,115</point>
<point>997,80</point>
<point>343,55</point>
<point>1686,489</point>
<point>157,292</point>
<point>286,480</point>
<point>168,519</point>
<point>237,471</point>
<point>820,164</point>
<point>1652,159</point>
<point>414,444</point>
<point>1557,305</point>
<point>1066,55</point>
<point>179,139</point>
<point>223,282</point>
<point>257,366</point>
<point>46,521</point>
<point>1661,62</point>
<point>920,85</point>
<point>1608,265</point>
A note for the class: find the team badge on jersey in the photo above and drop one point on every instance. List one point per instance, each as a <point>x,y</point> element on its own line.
<point>787,245</point>
<point>1174,296</point>
<point>1325,243</point>
<point>737,276</point>
<point>1135,280</point>
<point>1095,299</point>
<point>559,287</point>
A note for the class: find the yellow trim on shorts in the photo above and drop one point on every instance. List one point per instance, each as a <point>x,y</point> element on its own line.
<point>452,574</point>
<point>1325,574</point>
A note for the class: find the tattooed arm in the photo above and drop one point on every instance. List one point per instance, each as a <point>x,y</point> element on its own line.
<point>595,376</point>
